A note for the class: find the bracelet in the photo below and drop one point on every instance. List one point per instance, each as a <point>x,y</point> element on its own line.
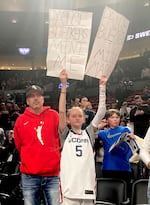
<point>63,92</point>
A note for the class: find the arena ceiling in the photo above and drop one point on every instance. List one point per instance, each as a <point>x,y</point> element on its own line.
<point>24,23</point>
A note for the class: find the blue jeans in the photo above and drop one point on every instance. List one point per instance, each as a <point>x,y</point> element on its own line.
<point>33,185</point>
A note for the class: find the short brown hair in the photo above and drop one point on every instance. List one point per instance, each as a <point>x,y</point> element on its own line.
<point>110,112</point>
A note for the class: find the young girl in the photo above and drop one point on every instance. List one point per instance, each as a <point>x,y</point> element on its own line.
<point>77,158</point>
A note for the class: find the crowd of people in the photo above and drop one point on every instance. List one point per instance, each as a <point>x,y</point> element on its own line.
<point>57,147</point>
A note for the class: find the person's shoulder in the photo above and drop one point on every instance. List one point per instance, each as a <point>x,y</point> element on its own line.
<point>20,116</point>
<point>104,131</point>
<point>50,110</point>
<point>124,128</point>
<point>65,132</point>
<point>87,111</point>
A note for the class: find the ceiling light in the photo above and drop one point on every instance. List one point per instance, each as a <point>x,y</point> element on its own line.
<point>24,51</point>
<point>147,3</point>
<point>14,21</point>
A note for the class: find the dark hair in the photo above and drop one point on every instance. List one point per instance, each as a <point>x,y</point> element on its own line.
<point>83,97</point>
<point>124,121</point>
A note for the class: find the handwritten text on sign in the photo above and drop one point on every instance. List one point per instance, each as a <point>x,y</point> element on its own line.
<point>68,42</point>
<point>108,44</point>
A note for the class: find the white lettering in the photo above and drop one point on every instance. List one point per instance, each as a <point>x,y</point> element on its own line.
<point>130,37</point>
<point>78,140</point>
<point>138,35</point>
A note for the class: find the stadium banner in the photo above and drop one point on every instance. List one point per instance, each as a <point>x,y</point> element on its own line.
<point>108,43</point>
<point>68,42</point>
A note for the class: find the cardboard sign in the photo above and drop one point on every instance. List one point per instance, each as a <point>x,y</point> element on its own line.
<point>68,42</point>
<point>108,44</point>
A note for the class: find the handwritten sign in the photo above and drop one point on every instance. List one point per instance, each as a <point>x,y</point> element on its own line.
<point>68,42</point>
<point>108,44</point>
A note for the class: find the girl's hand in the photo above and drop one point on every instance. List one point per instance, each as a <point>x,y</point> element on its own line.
<point>63,76</point>
<point>103,80</point>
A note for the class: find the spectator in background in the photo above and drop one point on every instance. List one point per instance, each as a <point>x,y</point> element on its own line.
<point>146,94</point>
<point>2,136</point>
<point>14,112</point>
<point>123,122</point>
<point>4,117</point>
<point>3,85</point>
<point>145,73</point>
<point>8,146</point>
<point>89,114</point>
<point>114,105</point>
<point>3,153</point>
<point>75,102</point>
<point>125,110</point>
<point>140,117</point>
<point>89,106</point>
<point>9,142</point>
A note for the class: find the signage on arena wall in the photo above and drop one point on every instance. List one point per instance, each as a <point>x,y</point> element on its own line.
<point>142,34</point>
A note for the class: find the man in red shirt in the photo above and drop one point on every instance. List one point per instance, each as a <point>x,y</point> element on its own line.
<point>37,140</point>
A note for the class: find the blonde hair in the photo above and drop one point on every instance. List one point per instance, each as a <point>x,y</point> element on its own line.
<point>74,108</point>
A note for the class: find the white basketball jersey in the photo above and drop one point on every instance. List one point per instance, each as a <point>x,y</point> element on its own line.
<point>77,176</point>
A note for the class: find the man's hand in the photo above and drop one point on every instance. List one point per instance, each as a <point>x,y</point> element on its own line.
<point>139,112</point>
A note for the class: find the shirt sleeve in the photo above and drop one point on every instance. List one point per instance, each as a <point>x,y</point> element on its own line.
<point>101,106</point>
<point>127,129</point>
<point>91,133</point>
<point>63,135</point>
<point>17,138</point>
<point>145,149</point>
